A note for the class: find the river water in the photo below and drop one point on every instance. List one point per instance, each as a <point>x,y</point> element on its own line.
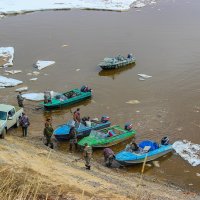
<point>164,38</point>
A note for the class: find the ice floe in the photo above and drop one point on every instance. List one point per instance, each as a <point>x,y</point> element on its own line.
<point>33,79</point>
<point>6,54</point>
<point>21,89</point>
<point>34,96</point>
<point>8,82</point>
<point>133,101</point>
<point>20,6</point>
<point>143,77</point>
<point>188,151</point>
<point>37,96</point>
<point>41,64</point>
<point>13,71</point>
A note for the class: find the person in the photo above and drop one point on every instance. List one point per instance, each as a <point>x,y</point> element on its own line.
<point>45,97</point>
<point>20,100</point>
<point>24,122</point>
<point>73,138</point>
<point>48,132</point>
<point>87,155</point>
<point>109,156</point>
<point>77,116</point>
<point>132,146</point>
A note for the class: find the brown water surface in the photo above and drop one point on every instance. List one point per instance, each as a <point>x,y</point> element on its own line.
<point>165,39</point>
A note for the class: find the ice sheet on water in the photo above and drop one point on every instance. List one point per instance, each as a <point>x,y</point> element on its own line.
<point>8,82</point>
<point>41,64</point>
<point>13,71</point>
<point>37,96</point>
<point>144,76</point>
<point>19,6</point>
<point>188,151</point>
<point>7,54</point>
<point>21,89</point>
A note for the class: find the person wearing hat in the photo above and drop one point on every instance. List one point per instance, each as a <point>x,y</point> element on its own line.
<point>24,122</point>
<point>73,138</point>
<point>20,100</point>
<point>48,132</point>
<point>87,155</point>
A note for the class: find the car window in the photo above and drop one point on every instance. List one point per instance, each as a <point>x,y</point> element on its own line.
<point>11,113</point>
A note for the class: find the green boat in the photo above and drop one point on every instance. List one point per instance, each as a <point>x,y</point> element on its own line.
<point>68,98</point>
<point>107,137</point>
<point>117,62</point>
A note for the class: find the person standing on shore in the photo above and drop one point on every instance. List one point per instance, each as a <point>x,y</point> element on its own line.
<point>73,138</point>
<point>24,122</point>
<point>87,155</point>
<point>20,100</point>
<point>48,132</point>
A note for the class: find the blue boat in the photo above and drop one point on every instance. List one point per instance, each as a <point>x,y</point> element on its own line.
<point>62,132</point>
<point>147,148</point>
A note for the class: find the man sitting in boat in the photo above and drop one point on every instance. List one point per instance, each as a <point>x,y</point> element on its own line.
<point>132,147</point>
<point>86,121</point>
<point>47,97</point>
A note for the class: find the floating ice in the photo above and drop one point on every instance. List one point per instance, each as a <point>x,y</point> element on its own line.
<point>13,71</point>
<point>41,64</point>
<point>36,73</point>
<point>21,89</point>
<point>37,96</point>
<point>6,53</point>
<point>77,70</point>
<point>133,102</point>
<point>139,5</point>
<point>34,96</point>
<point>8,82</point>
<point>188,151</point>
<point>33,79</point>
<point>20,6</point>
<point>144,76</point>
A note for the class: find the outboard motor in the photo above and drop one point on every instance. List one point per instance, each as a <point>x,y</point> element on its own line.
<point>128,126</point>
<point>105,119</point>
<point>165,141</point>
<point>85,88</point>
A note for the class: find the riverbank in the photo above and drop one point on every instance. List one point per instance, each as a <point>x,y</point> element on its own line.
<point>31,170</point>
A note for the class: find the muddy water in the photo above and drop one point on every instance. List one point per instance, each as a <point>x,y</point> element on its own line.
<point>165,40</point>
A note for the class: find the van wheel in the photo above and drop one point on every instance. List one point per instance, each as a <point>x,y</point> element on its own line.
<point>2,136</point>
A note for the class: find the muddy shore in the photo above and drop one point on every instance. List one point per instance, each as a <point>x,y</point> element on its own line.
<point>63,176</point>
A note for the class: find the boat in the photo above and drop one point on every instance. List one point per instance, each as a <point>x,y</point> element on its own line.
<point>117,62</point>
<point>107,137</point>
<point>62,132</point>
<point>148,150</point>
<point>68,98</point>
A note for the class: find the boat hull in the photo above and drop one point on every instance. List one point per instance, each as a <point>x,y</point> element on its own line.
<point>82,132</point>
<point>118,65</point>
<point>124,158</point>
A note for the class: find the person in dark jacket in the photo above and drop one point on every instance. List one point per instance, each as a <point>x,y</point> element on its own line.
<point>20,100</point>
<point>109,156</point>
<point>48,132</point>
<point>73,138</point>
<point>87,155</point>
<point>24,122</point>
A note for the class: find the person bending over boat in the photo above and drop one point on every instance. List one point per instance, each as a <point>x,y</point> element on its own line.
<point>73,138</point>
<point>109,156</point>
<point>87,155</point>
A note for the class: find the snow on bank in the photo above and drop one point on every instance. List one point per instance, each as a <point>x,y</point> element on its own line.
<point>41,64</point>
<point>6,53</point>
<point>8,82</point>
<point>188,151</point>
<point>20,6</point>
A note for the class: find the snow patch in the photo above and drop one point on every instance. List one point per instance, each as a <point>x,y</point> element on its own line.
<point>188,151</point>
<point>41,64</point>
<point>9,82</point>
<point>7,54</point>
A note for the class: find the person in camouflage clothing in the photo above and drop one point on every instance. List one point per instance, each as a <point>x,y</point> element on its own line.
<point>87,155</point>
<point>48,132</point>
